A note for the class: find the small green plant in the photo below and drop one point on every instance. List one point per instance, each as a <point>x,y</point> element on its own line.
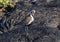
<point>6,3</point>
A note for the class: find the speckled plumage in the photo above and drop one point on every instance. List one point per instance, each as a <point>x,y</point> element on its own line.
<point>29,19</point>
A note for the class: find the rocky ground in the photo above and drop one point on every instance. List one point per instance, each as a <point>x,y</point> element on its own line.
<point>45,28</point>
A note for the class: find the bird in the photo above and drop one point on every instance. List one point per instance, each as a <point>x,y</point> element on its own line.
<point>29,18</point>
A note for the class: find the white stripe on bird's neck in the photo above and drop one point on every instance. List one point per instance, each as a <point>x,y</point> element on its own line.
<point>32,19</point>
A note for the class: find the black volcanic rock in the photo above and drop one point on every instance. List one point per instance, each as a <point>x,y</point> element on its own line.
<point>41,30</point>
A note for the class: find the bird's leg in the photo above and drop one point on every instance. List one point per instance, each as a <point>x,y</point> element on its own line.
<point>26,29</point>
<point>27,34</point>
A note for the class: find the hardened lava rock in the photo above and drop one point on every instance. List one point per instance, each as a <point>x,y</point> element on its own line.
<point>45,28</point>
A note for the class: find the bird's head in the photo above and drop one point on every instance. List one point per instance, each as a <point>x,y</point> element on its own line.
<point>33,12</point>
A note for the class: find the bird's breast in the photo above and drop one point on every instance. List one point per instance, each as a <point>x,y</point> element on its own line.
<point>29,20</point>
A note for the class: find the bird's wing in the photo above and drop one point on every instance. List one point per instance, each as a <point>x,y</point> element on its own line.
<point>29,20</point>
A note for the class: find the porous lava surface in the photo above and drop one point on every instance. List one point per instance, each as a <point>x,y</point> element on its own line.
<point>45,28</point>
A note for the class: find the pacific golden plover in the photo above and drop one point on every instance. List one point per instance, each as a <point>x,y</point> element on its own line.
<point>29,19</point>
